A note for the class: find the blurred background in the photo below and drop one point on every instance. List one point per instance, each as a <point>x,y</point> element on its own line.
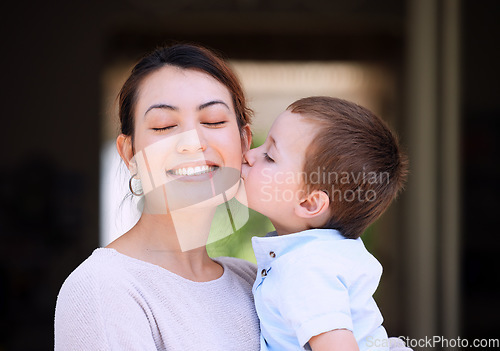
<point>429,67</point>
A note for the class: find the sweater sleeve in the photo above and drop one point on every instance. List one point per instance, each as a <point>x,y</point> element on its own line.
<point>95,311</point>
<point>79,320</point>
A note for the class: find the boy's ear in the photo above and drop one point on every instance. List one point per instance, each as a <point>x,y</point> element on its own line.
<point>246,140</point>
<point>124,147</point>
<point>315,205</point>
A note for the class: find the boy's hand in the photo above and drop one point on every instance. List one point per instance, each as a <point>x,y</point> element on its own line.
<point>334,340</point>
<point>343,339</point>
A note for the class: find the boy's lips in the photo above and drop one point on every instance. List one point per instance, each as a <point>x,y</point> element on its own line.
<point>244,170</point>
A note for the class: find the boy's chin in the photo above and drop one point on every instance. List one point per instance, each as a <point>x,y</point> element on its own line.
<point>247,199</point>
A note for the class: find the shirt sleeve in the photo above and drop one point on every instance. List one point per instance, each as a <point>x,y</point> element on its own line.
<point>93,316</point>
<point>315,297</point>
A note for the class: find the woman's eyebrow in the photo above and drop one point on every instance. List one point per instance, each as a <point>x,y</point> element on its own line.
<point>161,106</point>
<point>174,108</point>
<point>211,103</point>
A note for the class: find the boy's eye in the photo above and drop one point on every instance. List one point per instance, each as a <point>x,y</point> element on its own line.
<point>214,124</point>
<point>267,157</point>
<point>162,128</point>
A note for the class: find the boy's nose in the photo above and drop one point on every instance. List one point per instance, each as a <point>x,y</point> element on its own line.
<point>249,157</point>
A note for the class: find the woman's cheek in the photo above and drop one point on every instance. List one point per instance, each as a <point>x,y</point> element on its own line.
<point>234,156</point>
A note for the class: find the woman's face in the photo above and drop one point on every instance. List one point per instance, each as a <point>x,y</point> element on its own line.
<point>187,144</point>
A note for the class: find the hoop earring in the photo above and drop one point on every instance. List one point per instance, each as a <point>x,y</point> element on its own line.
<point>141,192</point>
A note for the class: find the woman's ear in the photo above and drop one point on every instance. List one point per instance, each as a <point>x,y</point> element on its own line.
<point>124,147</point>
<point>246,140</point>
<point>314,206</point>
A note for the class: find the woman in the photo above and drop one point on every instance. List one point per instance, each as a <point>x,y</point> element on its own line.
<point>184,128</point>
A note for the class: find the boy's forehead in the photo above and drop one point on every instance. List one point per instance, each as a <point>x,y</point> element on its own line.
<point>292,130</point>
<point>288,121</point>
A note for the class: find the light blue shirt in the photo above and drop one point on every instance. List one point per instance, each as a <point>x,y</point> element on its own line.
<point>312,282</point>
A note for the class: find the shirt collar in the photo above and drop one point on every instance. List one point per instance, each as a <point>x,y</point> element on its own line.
<point>273,246</point>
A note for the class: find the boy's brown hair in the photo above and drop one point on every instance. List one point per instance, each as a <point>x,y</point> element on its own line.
<point>354,158</point>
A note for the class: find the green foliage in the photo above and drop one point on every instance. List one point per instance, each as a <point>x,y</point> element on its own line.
<point>239,243</point>
<point>369,236</point>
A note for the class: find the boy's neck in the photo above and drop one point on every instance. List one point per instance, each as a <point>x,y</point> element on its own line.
<point>299,224</point>
<point>286,230</point>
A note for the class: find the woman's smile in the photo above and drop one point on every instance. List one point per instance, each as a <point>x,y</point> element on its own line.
<point>192,171</point>
<point>197,172</point>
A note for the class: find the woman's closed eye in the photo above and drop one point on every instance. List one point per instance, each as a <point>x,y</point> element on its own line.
<point>161,129</point>
<point>214,124</point>
<point>207,124</point>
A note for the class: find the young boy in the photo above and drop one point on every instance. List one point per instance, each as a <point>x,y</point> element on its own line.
<point>327,170</point>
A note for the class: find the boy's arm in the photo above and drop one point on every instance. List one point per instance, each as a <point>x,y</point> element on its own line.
<point>334,340</point>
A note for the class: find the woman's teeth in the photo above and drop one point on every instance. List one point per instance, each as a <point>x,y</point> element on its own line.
<point>190,171</point>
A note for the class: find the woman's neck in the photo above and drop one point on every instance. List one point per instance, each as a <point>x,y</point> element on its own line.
<point>175,241</point>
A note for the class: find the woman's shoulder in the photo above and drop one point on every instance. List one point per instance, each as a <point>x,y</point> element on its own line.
<point>80,292</point>
<point>100,262</point>
<point>100,293</point>
<point>242,268</point>
<point>100,269</point>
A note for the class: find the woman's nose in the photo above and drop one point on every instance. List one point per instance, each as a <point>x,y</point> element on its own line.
<point>190,141</point>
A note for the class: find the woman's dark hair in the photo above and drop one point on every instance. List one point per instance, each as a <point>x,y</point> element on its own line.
<point>186,56</point>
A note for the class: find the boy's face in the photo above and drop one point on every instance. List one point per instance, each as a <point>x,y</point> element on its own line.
<point>274,174</point>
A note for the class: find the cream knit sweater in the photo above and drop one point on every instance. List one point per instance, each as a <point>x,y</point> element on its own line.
<point>115,302</point>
